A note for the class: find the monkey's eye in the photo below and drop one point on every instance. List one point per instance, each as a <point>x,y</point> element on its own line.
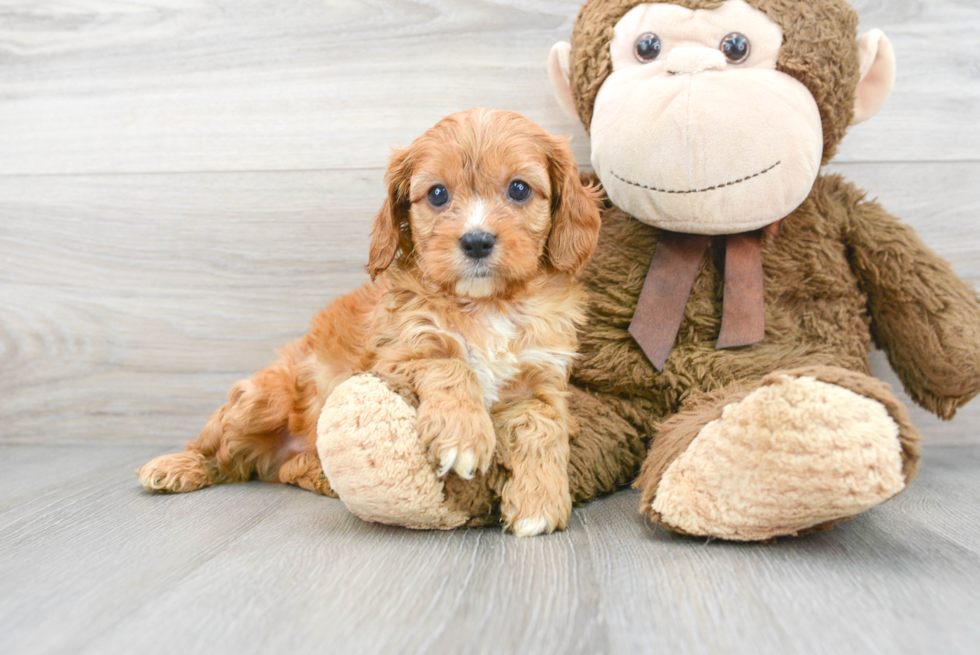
<point>647,47</point>
<point>438,195</point>
<point>736,48</point>
<point>519,191</point>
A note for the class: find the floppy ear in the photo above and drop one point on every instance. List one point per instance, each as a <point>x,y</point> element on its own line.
<point>575,217</point>
<point>391,225</point>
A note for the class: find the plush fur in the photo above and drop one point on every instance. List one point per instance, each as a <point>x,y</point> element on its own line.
<point>793,452</point>
<point>842,275</point>
<point>820,51</point>
<point>485,344</point>
<point>384,477</point>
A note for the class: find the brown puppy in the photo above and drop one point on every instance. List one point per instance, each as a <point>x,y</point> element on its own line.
<point>472,305</point>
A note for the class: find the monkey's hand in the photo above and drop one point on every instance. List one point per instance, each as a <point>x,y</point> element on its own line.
<point>924,316</point>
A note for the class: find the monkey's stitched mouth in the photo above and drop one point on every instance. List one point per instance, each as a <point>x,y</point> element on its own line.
<point>710,188</point>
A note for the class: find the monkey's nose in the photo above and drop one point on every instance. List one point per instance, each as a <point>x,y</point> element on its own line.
<point>686,60</point>
<point>477,245</point>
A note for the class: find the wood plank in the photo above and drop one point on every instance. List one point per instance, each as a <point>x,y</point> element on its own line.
<point>257,568</point>
<point>35,477</point>
<point>167,85</point>
<point>378,590</point>
<point>129,304</point>
<point>925,93</point>
<point>75,566</point>
<point>315,571</point>
<point>889,581</point>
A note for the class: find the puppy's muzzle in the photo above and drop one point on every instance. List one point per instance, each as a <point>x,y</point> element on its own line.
<point>478,244</point>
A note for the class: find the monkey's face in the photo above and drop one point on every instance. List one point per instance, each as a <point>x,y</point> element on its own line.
<point>695,130</point>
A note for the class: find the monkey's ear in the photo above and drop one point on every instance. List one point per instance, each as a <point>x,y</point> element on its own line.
<point>560,79</point>
<point>877,67</point>
<point>386,233</point>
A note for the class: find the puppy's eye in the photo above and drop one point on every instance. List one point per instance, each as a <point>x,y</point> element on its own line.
<point>519,191</point>
<point>438,195</point>
<point>648,47</point>
<point>736,48</point>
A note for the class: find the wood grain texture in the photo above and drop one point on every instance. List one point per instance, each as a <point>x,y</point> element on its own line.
<point>210,85</point>
<point>183,183</point>
<point>894,580</point>
<point>131,303</point>
<point>89,563</point>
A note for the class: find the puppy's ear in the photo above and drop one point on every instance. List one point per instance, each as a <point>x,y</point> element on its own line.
<point>391,226</point>
<point>575,217</point>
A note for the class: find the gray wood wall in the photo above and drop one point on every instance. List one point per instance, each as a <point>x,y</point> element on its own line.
<point>183,183</point>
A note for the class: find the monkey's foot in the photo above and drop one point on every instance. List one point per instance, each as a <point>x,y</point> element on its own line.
<point>793,454</point>
<point>376,463</point>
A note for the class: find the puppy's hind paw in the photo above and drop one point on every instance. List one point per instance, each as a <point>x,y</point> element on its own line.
<point>177,473</point>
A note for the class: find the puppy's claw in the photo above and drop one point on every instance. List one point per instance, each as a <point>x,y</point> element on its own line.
<point>446,461</point>
<point>532,527</point>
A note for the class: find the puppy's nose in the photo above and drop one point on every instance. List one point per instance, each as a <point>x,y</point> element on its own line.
<point>477,245</point>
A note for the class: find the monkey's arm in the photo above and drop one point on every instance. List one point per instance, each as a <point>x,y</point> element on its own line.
<point>923,315</point>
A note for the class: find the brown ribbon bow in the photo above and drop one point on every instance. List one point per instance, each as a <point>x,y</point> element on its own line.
<point>670,279</point>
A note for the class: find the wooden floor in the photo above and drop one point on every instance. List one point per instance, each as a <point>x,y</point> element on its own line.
<point>183,183</point>
<point>89,563</point>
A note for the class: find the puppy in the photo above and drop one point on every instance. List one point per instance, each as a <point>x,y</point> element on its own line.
<point>472,305</point>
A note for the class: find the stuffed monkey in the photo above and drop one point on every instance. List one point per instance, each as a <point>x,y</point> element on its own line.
<point>734,293</point>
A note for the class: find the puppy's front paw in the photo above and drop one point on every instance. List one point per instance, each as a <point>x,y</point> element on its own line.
<point>459,438</point>
<point>532,527</point>
<point>536,507</point>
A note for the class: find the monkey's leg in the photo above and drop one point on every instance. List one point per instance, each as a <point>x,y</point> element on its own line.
<point>800,450</point>
<point>375,460</point>
<point>607,449</point>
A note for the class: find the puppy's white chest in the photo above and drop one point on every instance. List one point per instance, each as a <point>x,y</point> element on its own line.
<point>495,361</point>
<point>504,350</point>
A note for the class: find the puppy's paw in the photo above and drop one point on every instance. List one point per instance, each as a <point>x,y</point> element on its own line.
<point>177,473</point>
<point>536,507</point>
<point>532,527</point>
<point>459,438</point>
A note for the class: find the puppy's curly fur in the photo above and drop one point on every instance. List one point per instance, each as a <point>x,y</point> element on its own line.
<point>485,342</point>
